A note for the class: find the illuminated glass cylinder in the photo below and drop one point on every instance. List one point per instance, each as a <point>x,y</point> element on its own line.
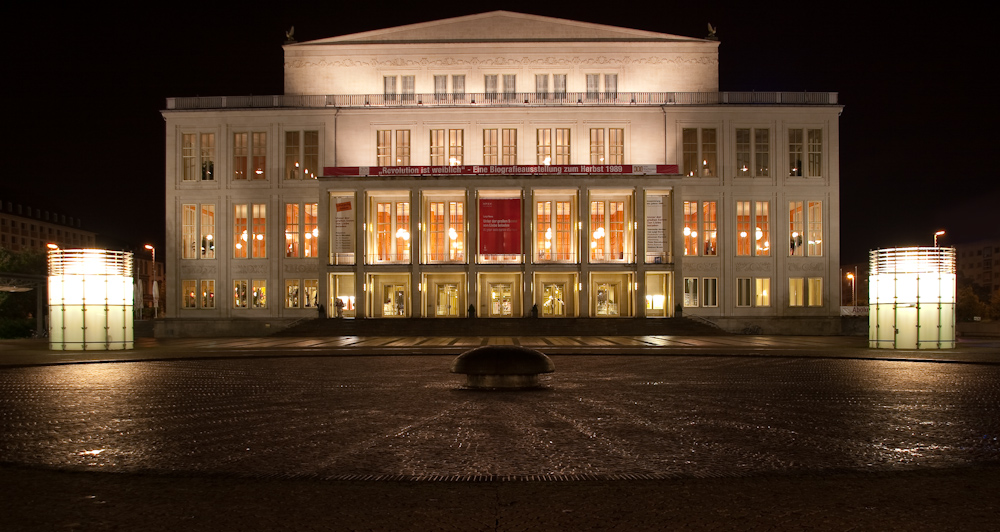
<point>911,297</point>
<point>90,300</point>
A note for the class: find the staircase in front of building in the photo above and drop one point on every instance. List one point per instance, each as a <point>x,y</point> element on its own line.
<point>501,327</point>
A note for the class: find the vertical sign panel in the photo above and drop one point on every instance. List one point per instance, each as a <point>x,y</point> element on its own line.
<point>500,226</point>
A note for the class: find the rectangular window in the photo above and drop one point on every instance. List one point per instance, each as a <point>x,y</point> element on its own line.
<point>596,146</point>
<point>383,147</point>
<point>752,152</point>
<point>402,147</point>
<point>690,228</point>
<point>440,87</point>
<point>700,149</point>
<point>562,146</point>
<point>709,229</point>
<point>554,231</point>
<point>258,299</point>
<point>456,149</point>
<point>191,238</point>
<point>189,291</point>
<point>541,86</point>
<point>310,293</point>
<point>815,292</point>
<point>610,85</point>
<point>709,293</point>
<point>292,229</point>
<point>490,84</point>
<point>762,291</point>
<point>809,144</point>
<point>240,290</point>
<point>409,86</point>
<point>189,231</point>
<point>250,156</point>
<point>509,155</point>
<point>796,292</point>
<point>207,293</point>
<point>593,85</point>
<point>762,232</point>
<point>690,291</point>
<point>389,87</point>
<point>392,231</point>
<point>616,146</point>
<point>446,231</point>
<point>608,231</point>
<point>249,235</point>
<point>795,229</point>
<point>544,143</point>
<point>744,292</point>
<point>188,159</point>
<point>559,85</point>
<point>815,229</point>
<point>437,138</point>
<point>491,147</point>
<point>310,230</point>
<point>301,154</point>
<point>458,85</point>
<point>292,295</point>
<point>510,86</point>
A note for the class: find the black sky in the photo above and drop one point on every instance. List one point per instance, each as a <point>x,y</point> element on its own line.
<point>85,86</point>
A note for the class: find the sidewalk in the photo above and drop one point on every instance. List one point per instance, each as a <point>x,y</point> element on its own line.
<point>35,352</point>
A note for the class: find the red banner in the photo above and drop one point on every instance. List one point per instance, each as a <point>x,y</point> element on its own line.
<point>500,226</point>
<point>539,170</point>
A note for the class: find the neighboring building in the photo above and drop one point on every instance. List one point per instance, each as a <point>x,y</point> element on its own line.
<point>24,228</point>
<point>151,280</point>
<point>509,163</point>
<point>979,263</point>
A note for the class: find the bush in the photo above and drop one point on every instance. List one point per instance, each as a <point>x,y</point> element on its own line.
<point>16,328</point>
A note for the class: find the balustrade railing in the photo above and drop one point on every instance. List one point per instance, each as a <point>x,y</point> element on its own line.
<point>502,99</point>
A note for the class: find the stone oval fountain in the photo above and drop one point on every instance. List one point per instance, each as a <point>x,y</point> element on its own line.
<point>502,367</point>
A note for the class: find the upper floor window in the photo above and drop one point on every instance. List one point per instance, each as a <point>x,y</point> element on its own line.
<point>301,230</point>
<point>384,154</point>
<point>553,146</point>
<point>500,146</point>
<point>447,143</point>
<point>805,216</point>
<point>753,236</point>
<point>541,86</point>
<point>708,239</point>
<point>805,152</point>
<point>301,154</point>
<point>610,151</point>
<point>700,151</point>
<point>250,156</point>
<point>198,231</point>
<point>249,228</point>
<point>406,87</point>
<point>753,152</point>
<point>198,156</point>
<point>594,86</point>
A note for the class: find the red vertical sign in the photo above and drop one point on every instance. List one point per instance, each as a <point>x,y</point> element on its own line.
<point>500,226</point>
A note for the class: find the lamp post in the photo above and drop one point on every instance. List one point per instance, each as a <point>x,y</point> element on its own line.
<point>152,285</point>
<point>937,234</point>
<point>854,298</point>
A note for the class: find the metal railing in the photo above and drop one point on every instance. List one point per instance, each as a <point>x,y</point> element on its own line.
<point>520,99</point>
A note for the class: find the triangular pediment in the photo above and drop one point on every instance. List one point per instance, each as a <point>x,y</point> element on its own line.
<point>501,26</point>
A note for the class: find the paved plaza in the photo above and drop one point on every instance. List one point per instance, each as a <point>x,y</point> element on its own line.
<point>629,433</point>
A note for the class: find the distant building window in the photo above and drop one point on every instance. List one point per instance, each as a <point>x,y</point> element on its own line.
<point>250,156</point>
<point>700,152</point>
<point>753,152</point>
<point>198,156</point>
<point>805,152</point>
<point>301,154</point>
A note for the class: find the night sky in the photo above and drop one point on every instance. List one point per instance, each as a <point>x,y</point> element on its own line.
<point>85,86</point>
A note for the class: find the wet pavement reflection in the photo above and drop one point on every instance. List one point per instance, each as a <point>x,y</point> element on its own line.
<point>599,417</point>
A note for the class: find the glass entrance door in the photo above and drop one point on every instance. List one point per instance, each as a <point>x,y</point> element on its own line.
<point>553,303</point>
<point>501,300</point>
<point>393,300</point>
<point>607,299</point>
<point>447,301</point>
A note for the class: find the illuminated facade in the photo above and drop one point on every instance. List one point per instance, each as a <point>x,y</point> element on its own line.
<point>507,165</point>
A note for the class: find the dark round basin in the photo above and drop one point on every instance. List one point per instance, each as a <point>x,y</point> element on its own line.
<point>502,367</point>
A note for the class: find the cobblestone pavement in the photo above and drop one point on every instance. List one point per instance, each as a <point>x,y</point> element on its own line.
<point>783,435</point>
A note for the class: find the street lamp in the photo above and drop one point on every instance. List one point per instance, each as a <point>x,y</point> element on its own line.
<point>152,284</point>
<point>854,298</point>
<point>937,234</point>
